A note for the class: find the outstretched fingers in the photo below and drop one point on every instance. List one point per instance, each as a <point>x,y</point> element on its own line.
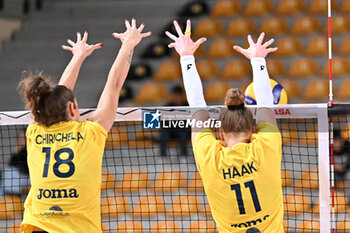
<point>261,38</point>
<point>141,27</point>
<point>171,36</point>
<point>242,51</point>
<point>178,29</point>
<point>78,36</point>
<point>70,42</point>
<point>147,34</point>
<point>271,50</point>
<point>268,43</point>
<point>133,23</point>
<point>200,41</point>
<point>239,49</point>
<point>92,48</point>
<point>172,45</point>
<point>85,37</point>
<point>117,35</point>
<point>127,24</point>
<point>97,46</point>
<point>188,26</point>
<point>67,48</point>
<point>250,40</point>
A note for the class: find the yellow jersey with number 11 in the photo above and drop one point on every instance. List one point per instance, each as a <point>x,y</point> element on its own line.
<point>64,163</point>
<point>243,183</point>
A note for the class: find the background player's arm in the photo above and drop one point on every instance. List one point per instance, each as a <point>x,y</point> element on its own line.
<point>185,47</point>
<point>108,103</point>
<point>81,50</point>
<point>261,81</point>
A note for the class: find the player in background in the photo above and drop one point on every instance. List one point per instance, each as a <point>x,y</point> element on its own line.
<point>64,154</point>
<point>241,172</point>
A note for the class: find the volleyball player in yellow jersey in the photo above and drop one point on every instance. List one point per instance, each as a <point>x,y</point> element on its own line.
<point>241,173</point>
<point>64,154</point>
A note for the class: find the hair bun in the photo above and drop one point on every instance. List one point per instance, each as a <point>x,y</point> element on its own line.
<point>234,97</point>
<point>33,87</point>
<point>40,86</point>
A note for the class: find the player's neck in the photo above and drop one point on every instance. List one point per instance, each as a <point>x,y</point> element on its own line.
<point>236,138</point>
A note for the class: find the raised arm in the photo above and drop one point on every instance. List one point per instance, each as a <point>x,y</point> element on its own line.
<point>108,103</point>
<point>80,50</point>
<point>261,81</point>
<point>186,48</point>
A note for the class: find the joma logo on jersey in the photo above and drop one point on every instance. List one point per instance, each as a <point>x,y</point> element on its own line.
<point>250,223</point>
<point>57,193</point>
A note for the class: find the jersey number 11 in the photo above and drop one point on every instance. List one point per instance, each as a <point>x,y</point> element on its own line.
<point>239,197</point>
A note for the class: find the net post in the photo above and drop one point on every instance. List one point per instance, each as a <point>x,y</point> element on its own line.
<point>324,169</point>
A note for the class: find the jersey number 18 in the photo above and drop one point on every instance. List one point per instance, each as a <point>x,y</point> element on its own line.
<point>59,162</point>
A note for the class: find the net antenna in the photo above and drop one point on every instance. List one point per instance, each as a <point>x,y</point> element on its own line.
<point>330,53</point>
<point>330,104</point>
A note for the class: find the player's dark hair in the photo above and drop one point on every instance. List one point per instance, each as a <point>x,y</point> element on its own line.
<point>235,117</point>
<point>47,102</point>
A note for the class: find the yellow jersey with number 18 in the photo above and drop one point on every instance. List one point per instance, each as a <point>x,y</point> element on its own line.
<point>243,183</point>
<point>64,163</point>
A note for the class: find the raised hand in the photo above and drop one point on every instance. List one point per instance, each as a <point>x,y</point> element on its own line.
<point>256,49</point>
<point>81,48</point>
<point>132,35</point>
<point>184,44</point>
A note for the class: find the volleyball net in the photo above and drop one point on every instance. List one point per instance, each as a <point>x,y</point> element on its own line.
<point>150,182</point>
